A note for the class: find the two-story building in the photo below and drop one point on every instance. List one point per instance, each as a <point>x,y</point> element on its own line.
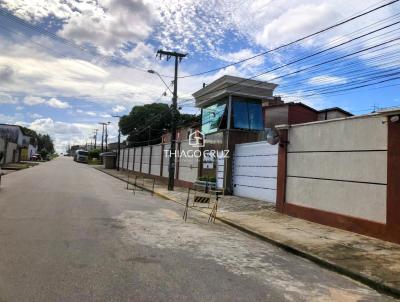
<point>236,115</point>
<point>18,145</point>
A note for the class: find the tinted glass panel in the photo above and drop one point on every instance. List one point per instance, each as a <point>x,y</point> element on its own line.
<point>240,115</point>
<point>211,117</point>
<point>255,116</point>
<point>247,114</point>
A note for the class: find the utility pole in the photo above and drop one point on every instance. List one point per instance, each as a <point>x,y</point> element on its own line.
<point>95,137</point>
<point>119,142</point>
<point>102,137</point>
<point>171,168</point>
<point>106,138</point>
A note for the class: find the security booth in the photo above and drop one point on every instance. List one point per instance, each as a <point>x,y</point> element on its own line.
<point>231,113</point>
<point>109,159</point>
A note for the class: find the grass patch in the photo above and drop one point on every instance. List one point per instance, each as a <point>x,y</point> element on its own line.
<point>94,161</point>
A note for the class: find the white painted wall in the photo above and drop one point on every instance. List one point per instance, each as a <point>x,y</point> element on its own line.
<point>165,160</point>
<point>130,158</point>
<point>137,159</point>
<point>339,166</point>
<point>146,159</point>
<point>31,150</point>
<point>126,159</point>
<point>364,133</point>
<point>188,166</point>
<point>156,160</point>
<point>11,147</point>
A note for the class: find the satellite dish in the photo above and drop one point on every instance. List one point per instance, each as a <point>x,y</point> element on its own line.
<point>272,137</point>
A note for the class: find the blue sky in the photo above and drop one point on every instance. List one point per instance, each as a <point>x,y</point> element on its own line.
<point>64,87</point>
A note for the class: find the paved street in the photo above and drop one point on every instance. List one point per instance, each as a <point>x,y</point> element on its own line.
<point>71,233</point>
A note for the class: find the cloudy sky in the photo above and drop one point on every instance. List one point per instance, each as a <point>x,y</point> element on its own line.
<point>65,65</point>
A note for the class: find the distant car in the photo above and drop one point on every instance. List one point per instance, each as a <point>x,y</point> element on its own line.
<point>36,157</point>
<point>81,156</point>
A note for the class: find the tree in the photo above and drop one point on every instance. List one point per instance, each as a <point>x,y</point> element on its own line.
<point>149,121</point>
<point>45,142</point>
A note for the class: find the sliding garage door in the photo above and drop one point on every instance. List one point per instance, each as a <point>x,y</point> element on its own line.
<point>255,167</point>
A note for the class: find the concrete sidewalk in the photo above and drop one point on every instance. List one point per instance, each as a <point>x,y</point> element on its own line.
<point>368,260</point>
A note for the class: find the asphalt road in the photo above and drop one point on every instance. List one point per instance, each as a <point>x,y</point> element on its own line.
<point>71,233</point>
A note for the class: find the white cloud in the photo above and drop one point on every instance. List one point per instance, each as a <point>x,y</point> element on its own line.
<point>19,108</point>
<point>63,133</point>
<point>34,115</point>
<point>34,10</point>
<point>294,22</point>
<point>91,113</point>
<point>108,24</point>
<point>85,112</point>
<point>241,55</point>
<point>53,102</point>
<point>33,100</point>
<point>118,109</point>
<point>7,99</point>
<point>40,73</point>
<point>326,80</point>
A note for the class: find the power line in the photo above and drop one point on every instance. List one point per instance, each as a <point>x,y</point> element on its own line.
<point>302,59</point>
<point>295,41</point>
<point>66,41</point>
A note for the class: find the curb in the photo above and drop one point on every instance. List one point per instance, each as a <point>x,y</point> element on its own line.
<point>378,286</point>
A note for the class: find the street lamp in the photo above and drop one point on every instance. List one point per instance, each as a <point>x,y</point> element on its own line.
<point>155,72</point>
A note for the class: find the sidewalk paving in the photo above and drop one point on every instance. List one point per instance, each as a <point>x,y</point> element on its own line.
<point>371,261</point>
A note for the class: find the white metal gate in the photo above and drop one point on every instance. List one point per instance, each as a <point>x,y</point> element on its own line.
<point>255,167</point>
<point>220,171</point>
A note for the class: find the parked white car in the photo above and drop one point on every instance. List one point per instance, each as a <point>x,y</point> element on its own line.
<point>81,156</point>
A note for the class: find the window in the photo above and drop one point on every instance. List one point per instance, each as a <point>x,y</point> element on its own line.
<point>212,117</point>
<point>247,114</point>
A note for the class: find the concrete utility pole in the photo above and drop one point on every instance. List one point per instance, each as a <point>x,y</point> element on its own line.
<point>95,137</point>
<point>102,137</point>
<point>119,142</point>
<point>171,168</point>
<point>107,137</point>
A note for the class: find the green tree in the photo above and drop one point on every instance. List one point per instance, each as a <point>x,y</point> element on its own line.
<point>95,153</point>
<point>45,142</point>
<point>149,121</point>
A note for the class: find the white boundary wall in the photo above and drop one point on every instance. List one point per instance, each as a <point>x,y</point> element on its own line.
<point>188,167</point>
<point>339,166</point>
<point>156,160</point>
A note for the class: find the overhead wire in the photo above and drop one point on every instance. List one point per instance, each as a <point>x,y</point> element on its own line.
<point>67,42</point>
<point>295,41</point>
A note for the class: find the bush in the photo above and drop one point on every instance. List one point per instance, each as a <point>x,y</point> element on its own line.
<point>44,154</point>
<point>95,153</point>
<point>208,178</point>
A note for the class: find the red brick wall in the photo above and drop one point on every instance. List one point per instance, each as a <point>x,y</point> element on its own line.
<point>299,114</point>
